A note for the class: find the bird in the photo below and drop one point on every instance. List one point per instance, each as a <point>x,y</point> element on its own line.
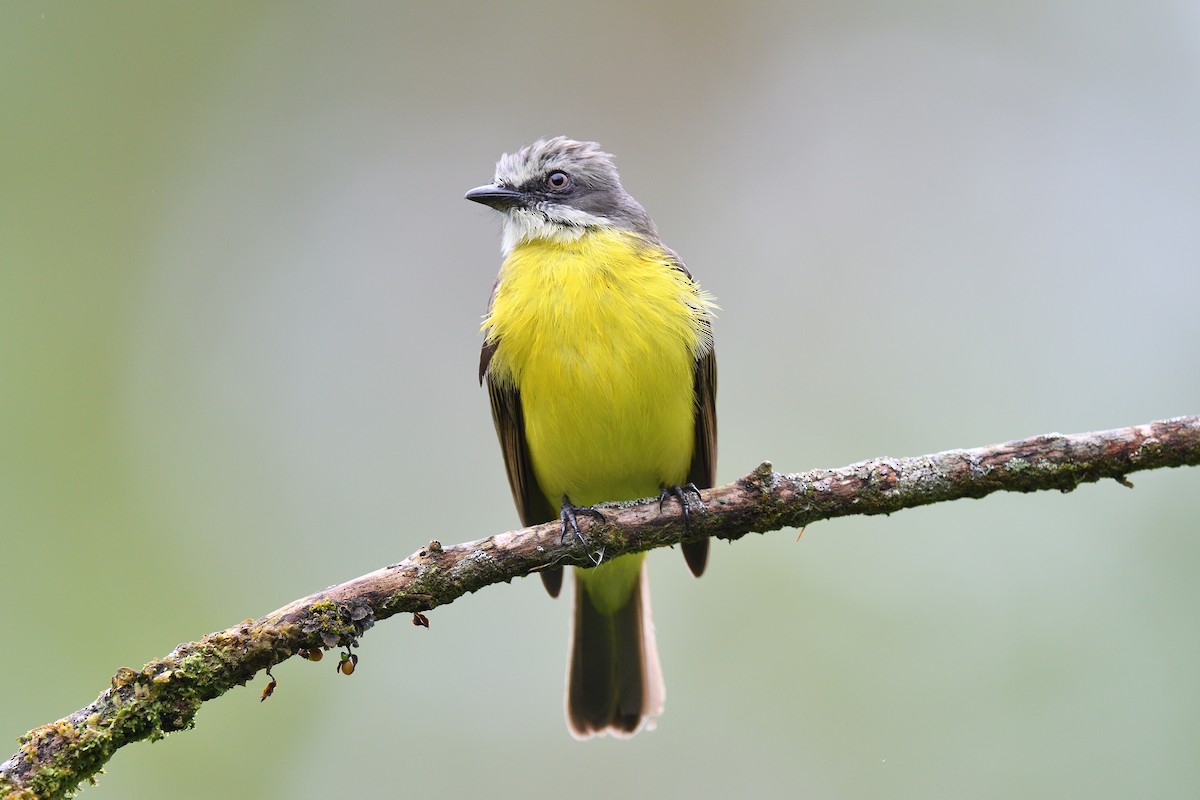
<point>599,364</point>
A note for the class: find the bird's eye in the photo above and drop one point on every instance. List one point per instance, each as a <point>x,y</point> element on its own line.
<point>558,180</point>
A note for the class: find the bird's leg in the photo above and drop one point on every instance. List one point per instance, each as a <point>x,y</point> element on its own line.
<point>680,493</point>
<point>695,553</point>
<point>570,526</point>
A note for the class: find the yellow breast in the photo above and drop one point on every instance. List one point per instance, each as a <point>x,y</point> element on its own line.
<point>600,336</point>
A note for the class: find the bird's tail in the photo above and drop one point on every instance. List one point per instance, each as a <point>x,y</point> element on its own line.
<point>614,680</point>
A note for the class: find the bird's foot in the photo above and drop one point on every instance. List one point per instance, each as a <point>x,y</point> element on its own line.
<point>680,493</point>
<point>567,517</point>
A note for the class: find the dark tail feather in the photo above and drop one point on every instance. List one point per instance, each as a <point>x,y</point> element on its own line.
<point>614,680</point>
<point>696,555</point>
<point>552,580</point>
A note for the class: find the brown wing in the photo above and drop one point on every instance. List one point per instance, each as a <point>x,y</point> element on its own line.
<point>703,471</point>
<point>532,505</point>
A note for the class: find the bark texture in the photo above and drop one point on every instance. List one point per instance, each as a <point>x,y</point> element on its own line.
<point>164,695</point>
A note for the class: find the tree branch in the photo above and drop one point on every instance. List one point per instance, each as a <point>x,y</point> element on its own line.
<point>165,695</point>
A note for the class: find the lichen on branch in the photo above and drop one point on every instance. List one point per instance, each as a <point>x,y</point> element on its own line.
<point>163,696</point>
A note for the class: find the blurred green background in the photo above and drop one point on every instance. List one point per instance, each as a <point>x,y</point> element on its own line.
<point>239,305</point>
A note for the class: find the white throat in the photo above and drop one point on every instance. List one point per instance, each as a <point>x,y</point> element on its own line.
<point>557,224</point>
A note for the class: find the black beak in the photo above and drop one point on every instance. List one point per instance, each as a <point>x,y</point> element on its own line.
<point>498,197</point>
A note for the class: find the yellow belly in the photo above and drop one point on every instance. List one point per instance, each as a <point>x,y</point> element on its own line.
<point>600,336</point>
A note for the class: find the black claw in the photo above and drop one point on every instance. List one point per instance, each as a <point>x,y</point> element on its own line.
<point>680,493</point>
<point>695,553</point>
<point>570,525</point>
